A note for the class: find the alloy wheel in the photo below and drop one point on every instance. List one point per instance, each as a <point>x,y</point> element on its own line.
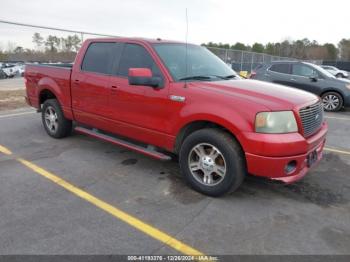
<point>330,102</point>
<point>51,119</point>
<point>207,164</point>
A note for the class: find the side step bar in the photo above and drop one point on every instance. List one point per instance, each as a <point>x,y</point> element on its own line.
<point>147,151</point>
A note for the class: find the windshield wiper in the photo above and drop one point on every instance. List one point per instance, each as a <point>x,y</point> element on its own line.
<point>208,77</point>
<point>196,78</point>
<point>226,77</point>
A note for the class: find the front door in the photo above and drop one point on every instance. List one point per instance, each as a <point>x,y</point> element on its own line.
<point>141,111</point>
<point>306,78</point>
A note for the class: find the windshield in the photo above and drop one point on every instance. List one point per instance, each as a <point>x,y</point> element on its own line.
<point>202,65</point>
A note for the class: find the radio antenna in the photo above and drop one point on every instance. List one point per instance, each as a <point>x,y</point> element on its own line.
<point>186,51</point>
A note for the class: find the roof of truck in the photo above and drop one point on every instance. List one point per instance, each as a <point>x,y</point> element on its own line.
<point>139,39</point>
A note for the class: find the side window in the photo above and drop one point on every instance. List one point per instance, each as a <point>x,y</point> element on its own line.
<point>136,56</point>
<point>303,70</point>
<point>99,58</point>
<point>280,68</point>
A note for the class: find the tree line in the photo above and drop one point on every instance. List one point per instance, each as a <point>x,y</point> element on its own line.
<point>301,49</point>
<point>49,49</point>
<point>64,49</point>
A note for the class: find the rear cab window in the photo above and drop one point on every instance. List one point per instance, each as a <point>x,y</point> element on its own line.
<point>280,68</point>
<point>100,57</point>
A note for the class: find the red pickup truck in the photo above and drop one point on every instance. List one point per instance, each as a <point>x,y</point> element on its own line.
<point>159,97</point>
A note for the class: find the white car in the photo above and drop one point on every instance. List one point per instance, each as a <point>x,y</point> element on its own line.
<point>20,70</point>
<point>335,71</point>
<point>9,70</point>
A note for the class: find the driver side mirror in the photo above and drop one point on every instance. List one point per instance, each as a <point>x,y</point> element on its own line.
<point>314,77</point>
<point>143,77</point>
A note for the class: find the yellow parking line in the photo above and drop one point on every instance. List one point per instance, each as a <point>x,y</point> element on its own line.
<point>121,215</point>
<point>337,151</point>
<point>5,151</point>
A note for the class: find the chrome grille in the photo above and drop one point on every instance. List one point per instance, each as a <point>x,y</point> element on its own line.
<point>311,118</point>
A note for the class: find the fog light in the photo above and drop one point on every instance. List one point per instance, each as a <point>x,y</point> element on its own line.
<point>290,167</point>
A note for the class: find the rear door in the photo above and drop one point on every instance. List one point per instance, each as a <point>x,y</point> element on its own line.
<point>279,73</point>
<point>90,83</point>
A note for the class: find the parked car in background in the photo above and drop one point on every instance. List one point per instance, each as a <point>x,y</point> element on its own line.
<point>2,74</point>
<point>335,92</point>
<point>9,70</point>
<point>20,70</point>
<point>335,71</point>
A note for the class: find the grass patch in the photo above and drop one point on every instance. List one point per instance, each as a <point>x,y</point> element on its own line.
<point>12,99</point>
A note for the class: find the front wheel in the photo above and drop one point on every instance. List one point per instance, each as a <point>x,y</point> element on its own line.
<point>55,124</point>
<point>332,101</point>
<point>212,162</point>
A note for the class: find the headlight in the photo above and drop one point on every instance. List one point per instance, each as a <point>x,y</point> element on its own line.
<point>275,122</point>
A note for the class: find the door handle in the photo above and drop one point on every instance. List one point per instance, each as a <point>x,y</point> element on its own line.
<point>114,87</point>
<point>292,79</point>
<point>76,82</point>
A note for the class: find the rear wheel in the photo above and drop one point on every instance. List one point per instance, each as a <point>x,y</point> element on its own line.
<point>332,101</point>
<point>339,75</point>
<point>212,162</point>
<point>55,124</point>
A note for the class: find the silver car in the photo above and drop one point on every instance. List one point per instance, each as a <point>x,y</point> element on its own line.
<point>335,71</point>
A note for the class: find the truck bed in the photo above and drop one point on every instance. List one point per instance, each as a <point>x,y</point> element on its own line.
<point>51,77</point>
<point>64,65</point>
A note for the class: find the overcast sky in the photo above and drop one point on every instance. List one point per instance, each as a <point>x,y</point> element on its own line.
<point>225,21</point>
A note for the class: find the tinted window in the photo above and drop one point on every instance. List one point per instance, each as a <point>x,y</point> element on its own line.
<point>280,68</point>
<point>99,58</point>
<point>303,70</point>
<point>136,56</point>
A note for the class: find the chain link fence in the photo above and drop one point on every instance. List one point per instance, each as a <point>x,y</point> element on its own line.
<point>245,60</point>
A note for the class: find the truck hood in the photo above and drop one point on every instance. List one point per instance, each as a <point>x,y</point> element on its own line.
<point>274,97</point>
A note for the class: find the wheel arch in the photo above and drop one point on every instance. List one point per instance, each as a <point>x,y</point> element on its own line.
<point>46,94</point>
<point>328,90</point>
<point>194,125</point>
<point>48,89</point>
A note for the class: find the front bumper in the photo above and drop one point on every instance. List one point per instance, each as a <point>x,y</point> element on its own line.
<point>273,167</point>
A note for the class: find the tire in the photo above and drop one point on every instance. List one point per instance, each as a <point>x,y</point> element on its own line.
<point>334,106</point>
<point>339,75</point>
<point>55,124</point>
<point>230,162</point>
